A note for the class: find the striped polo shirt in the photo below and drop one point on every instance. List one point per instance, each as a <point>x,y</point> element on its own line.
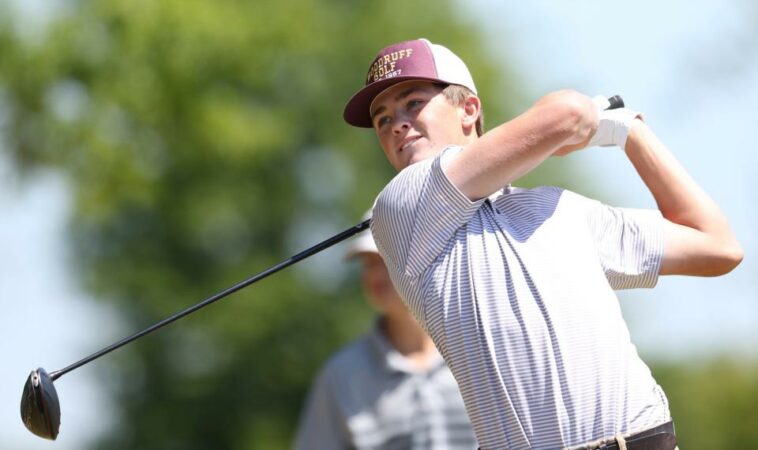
<point>517,292</point>
<point>369,396</point>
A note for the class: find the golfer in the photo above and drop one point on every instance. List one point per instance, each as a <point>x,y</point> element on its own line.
<point>516,286</point>
<point>390,389</point>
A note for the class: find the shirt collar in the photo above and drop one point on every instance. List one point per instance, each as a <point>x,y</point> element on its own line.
<point>393,360</point>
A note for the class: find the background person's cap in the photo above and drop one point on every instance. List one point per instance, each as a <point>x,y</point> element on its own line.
<point>418,59</point>
<point>363,242</point>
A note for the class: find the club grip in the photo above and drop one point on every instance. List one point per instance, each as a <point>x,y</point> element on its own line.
<point>615,102</point>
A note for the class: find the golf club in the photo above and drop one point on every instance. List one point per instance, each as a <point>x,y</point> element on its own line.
<point>40,407</point>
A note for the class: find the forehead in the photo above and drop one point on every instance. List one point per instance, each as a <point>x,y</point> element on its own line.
<point>401,90</point>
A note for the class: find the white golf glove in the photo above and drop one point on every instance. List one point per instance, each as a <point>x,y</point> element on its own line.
<point>613,124</point>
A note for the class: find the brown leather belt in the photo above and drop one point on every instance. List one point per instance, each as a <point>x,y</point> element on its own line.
<point>661,437</point>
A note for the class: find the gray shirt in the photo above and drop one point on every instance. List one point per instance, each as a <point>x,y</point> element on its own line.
<point>368,396</point>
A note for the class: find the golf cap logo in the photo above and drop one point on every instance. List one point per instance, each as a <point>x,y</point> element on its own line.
<point>386,66</point>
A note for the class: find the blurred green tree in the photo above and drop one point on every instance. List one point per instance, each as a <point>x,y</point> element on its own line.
<point>203,142</point>
<point>712,402</point>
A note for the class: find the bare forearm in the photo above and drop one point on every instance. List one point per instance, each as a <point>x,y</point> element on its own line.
<point>513,149</point>
<point>699,238</point>
<point>679,198</point>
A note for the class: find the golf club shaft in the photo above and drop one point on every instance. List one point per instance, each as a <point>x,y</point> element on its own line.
<point>615,102</point>
<point>242,284</point>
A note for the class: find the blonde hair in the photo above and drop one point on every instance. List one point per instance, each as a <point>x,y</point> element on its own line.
<point>457,95</point>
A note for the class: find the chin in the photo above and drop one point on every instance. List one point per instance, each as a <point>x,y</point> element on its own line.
<point>421,156</point>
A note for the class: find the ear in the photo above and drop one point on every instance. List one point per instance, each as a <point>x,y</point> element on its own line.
<point>470,111</point>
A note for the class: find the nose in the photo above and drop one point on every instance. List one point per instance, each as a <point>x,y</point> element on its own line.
<point>402,124</point>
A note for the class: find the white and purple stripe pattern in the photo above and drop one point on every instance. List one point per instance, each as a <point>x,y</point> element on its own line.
<point>517,293</point>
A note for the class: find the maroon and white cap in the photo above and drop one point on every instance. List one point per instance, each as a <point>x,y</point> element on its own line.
<point>418,59</point>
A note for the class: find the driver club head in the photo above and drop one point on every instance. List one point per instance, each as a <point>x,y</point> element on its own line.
<point>40,409</point>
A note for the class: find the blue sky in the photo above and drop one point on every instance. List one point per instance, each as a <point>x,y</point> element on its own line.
<point>691,68</point>
<point>691,76</point>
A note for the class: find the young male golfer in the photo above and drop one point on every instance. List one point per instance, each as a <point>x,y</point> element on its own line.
<point>390,388</point>
<point>516,286</point>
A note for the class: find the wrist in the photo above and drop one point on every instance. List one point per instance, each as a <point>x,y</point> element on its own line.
<point>636,134</point>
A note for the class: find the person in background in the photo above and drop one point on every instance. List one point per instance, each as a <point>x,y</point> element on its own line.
<point>390,388</point>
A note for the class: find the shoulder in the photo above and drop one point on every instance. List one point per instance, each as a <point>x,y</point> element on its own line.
<point>351,359</point>
<point>395,212</point>
<point>408,185</point>
<point>417,212</point>
<point>404,189</point>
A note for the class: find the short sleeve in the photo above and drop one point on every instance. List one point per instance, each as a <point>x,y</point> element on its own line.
<point>417,214</point>
<point>629,244</point>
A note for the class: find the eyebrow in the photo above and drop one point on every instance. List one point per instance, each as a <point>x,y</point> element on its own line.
<point>399,96</point>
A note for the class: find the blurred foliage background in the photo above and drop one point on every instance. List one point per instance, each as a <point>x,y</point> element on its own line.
<point>202,143</point>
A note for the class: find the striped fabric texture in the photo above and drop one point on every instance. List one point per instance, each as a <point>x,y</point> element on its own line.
<point>517,292</point>
<point>369,397</point>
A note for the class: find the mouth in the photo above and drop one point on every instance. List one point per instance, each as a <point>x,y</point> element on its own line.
<point>407,143</point>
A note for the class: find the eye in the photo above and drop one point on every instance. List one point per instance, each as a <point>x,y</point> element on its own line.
<point>381,121</point>
<point>413,104</point>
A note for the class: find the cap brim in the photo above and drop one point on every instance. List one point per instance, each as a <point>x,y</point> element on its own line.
<point>361,244</point>
<point>357,108</point>
<point>352,254</point>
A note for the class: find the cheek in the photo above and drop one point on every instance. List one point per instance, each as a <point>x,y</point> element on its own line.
<point>384,142</point>
<point>436,122</point>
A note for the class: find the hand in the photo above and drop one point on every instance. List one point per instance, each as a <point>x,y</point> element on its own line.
<point>593,108</point>
<point>613,125</point>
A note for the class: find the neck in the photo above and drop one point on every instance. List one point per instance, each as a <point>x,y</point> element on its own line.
<point>408,338</point>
